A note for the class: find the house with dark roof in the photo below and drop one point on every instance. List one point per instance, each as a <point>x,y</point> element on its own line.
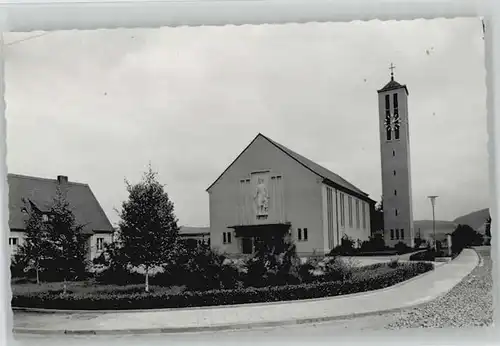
<point>270,191</point>
<point>40,192</point>
<point>195,234</point>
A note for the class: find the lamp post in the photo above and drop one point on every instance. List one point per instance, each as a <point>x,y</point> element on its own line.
<point>433,203</point>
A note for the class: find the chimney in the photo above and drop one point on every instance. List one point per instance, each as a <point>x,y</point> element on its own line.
<point>62,179</point>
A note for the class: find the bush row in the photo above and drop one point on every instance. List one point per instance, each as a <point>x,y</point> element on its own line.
<point>431,254</point>
<point>141,300</point>
<point>375,246</point>
<point>427,255</point>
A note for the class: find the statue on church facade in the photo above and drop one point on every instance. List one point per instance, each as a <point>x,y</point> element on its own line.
<point>261,198</point>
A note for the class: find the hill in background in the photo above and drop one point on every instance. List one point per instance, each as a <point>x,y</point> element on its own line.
<point>476,219</point>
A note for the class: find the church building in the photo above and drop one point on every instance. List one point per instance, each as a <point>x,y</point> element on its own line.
<point>270,191</point>
<point>395,159</point>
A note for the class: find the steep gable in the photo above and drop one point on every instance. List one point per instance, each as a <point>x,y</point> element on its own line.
<point>41,191</point>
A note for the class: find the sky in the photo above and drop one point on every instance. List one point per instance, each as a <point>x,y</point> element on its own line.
<point>99,106</point>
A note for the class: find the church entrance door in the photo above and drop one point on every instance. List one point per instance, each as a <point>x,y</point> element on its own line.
<point>247,245</point>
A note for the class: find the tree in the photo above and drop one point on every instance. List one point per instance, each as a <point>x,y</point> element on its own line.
<point>274,262</point>
<point>487,231</point>
<point>464,236</point>
<point>418,242</point>
<point>377,220</point>
<point>68,250</point>
<point>36,246</point>
<point>116,267</point>
<point>148,226</point>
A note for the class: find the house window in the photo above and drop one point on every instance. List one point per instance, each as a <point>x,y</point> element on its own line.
<point>305,234</point>
<point>397,233</point>
<point>226,237</point>
<point>349,205</point>
<point>402,233</point>
<point>392,234</point>
<point>13,241</point>
<point>45,218</point>
<point>357,215</point>
<point>299,234</point>
<point>100,244</point>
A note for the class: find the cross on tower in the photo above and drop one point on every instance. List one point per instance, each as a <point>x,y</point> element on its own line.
<point>392,67</point>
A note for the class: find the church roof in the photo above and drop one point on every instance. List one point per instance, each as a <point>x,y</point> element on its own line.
<point>393,85</point>
<point>323,172</point>
<point>41,191</point>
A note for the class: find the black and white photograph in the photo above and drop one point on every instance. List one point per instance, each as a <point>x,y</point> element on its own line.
<point>198,183</point>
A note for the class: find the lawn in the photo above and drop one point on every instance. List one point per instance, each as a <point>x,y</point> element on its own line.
<point>87,287</point>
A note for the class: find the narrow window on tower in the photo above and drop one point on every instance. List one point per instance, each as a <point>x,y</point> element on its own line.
<point>402,233</point>
<point>393,153</point>
<point>396,124</point>
<point>397,233</point>
<point>392,234</point>
<point>396,212</point>
<point>396,116</point>
<point>395,192</point>
<point>387,123</point>
<point>394,172</point>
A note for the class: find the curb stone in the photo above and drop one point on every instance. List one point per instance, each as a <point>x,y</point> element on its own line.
<point>215,328</point>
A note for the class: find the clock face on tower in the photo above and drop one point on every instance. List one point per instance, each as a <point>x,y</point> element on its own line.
<point>388,123</point>
<point>396,121</point>
<point>392,122</point>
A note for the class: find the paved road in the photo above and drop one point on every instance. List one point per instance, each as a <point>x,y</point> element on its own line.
<point>469,304</point>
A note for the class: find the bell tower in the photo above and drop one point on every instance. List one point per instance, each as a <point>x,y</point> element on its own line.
<point>395,159</point>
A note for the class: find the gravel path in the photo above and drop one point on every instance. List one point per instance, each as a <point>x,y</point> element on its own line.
<point>469,304</point>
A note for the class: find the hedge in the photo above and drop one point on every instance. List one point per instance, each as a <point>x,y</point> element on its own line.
<point>156,300</point>
<point>430,255</point>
